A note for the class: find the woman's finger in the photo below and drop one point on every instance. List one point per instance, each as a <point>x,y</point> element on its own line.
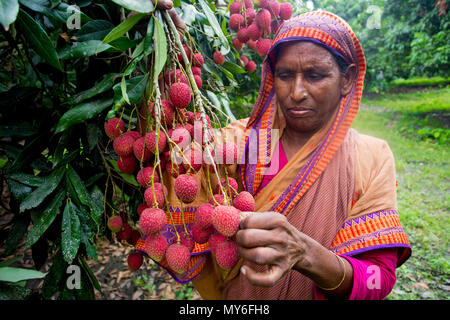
<point>263,220</point>
<point>260,255</point>
<point>267,278</point>
<point>163,4</point>
<point>250,238</point>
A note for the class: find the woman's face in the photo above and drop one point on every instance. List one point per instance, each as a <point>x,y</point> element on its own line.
<point>308,85</point>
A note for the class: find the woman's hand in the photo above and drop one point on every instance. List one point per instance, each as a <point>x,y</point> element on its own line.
<point>267,238</point>
<point>168,5</point>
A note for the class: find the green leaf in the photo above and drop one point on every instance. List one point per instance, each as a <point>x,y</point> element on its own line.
<point>127,177</point>
<point>16,233</point>
<point>134,89</point>
<point>83,49</point>
<point>161,47</point>
<point>38,39</point>
<point>82,112</point>
<point>123,90</point>
<point>123,28</point>
<point>143,6</point>
<point>97,204</point>
<point>27,179</point>
<point>8,11</point>
<point>47,187</point>
<point>91,275</point>
<point>81,191</point>
<point>94,30</point>
<point>55,275</point>
<point>11,274</point>
<point>45,219</point>
<point>102,86</point>
<point>233,68</point>
<point>215,25</point>
<point>71,232</point>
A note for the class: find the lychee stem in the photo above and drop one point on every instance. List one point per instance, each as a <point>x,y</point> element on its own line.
<point>182,218</point>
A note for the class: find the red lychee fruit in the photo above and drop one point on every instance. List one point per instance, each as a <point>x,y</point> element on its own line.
<point>231,182</point>
<point>262,3</point>
<point>135,261</point>
<point>251,66</point>
<point>263,19</point>
<point>175,169</point>
<point>285,10</point>
<point>214,240</point>
<point>126,164</point>
<point>140,151</point>
<point>187,240</point>
<point>235,7</point>
<point>254,32</point>
<point>236,21</point>
<point>227,254</point>
<point>263,46</point>
<point>226,153</point>
<point>125,232</point>
<point>275,25</point>
<point>181,136</point>
<point>167,111</point>
<point>178,257</point>
<point>145,176</point>
<point>217,199</point>
<point>226,220</point>
<point>244,60</point>
<point>114,127</point>
<point>198,60</point>
<point>115,223</point>
<point>203,216</point>
<point>198,81</point>
<point>196,71</point>
<point>242,35</point>
<point>238,44</point>
<point>152,139</point>
<point>252,44</point>
<point>156,197</point>
<point>244,201</point>
<point>274,8</point>
<point>201,235</point>
<point>173,76</point>
<point>180,94</point>
<point>188,52</point>
<point>134,134</point>
<point>141,208</point>
<point>250,15</point>
<point>194,159</point>
<point>248,3</point>
<point>156,246</point>
<point>135,236</point>
<point>218,57</point>
<point>186,188</point>
<point>152,220</point>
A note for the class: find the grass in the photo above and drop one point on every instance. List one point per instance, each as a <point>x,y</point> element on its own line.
<point>424,180</point>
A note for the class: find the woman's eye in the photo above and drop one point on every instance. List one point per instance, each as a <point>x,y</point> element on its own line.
<point>315,76</point>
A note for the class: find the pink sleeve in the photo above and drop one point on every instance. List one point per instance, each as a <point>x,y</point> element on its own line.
<point>373,275</point>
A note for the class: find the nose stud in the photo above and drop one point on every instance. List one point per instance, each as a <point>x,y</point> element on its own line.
<point>305,95</point>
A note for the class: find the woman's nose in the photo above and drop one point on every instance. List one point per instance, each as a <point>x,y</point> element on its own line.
<point>299,90</point>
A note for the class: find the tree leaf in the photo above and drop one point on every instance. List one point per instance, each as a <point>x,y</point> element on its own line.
<point>16,233</point>
<point>71,232</point>
<point>55,275</point>
<point>45,219</point>
<point>12,274</point>
<point>127,177</point>
<point>11,291</point>
<point>134,89</point>
<point>215,25</point>
<point>47,187</point>
<point>94,30</point>
<point>83,49</point>
<point>160,48</point>
<point>8,11</point>
<point>143,6</point>
<point>82,112</point>
<point>38,39</point>
<point>103,85</point>
<point>233,68</point>
<point>123,28</point>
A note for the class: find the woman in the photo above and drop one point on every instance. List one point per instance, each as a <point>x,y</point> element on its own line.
<point>326,222</point>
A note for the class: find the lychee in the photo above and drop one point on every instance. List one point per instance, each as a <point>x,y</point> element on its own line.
<point>174,169</point>
<point>156,246</point>
<point>140,151</point>
<point>262,3</point>
<point>248,3</point>
<point>126,164</point>
<point>186,188</point>
<point>275,25</point>
<point>198,60</point>
<point>237,44</point>
<point>227,254</point>
<point>152,139</point>
<point>167,111</point>
<point>181,136</point>
<point>134,134</point>
<point>201,235</point>
<point>135,261</point>
<point>173,76</point>
<point>152,220</point>
<point>226,220</point>
<point>244,60</point>
<point>226,153</point>
<point>254,32</point>
<point>263,46</point>
<point>235,7</point>
<point>203,216</point>
<point>236,21</point>
<point>196,71</point>
<point>274,8</point>
<point>244,201</point>
<point>180,94</point>
<point>146,175</point>
<point>198,81</point>
<point>141,208</point>
<point>263,19</point>
<point>155,197</point>
<point>250,15</point>
<point>125,232</point>
<point>242,35</point>
<point>114,127</point>
<point>285,10</point>
<point>187,240</point>
<point>178,257</point>
<point>215,239</point>
<point>218,57</point>
<point>231,183</point>
<point>135,236</point>
<point>251,66</point>
<point>115,223</point>
<point>217,199</point>
<point>252,44</point>
<point>192,159</point>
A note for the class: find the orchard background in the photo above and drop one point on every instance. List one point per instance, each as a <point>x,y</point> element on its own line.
<point>69,66</point>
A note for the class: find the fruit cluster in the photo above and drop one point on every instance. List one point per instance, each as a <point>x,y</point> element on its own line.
<point>254,27</point>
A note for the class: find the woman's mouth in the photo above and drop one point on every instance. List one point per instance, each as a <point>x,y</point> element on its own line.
<point>298,113</point>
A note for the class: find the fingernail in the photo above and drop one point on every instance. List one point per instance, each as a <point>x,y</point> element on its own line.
<point>243,270</point>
